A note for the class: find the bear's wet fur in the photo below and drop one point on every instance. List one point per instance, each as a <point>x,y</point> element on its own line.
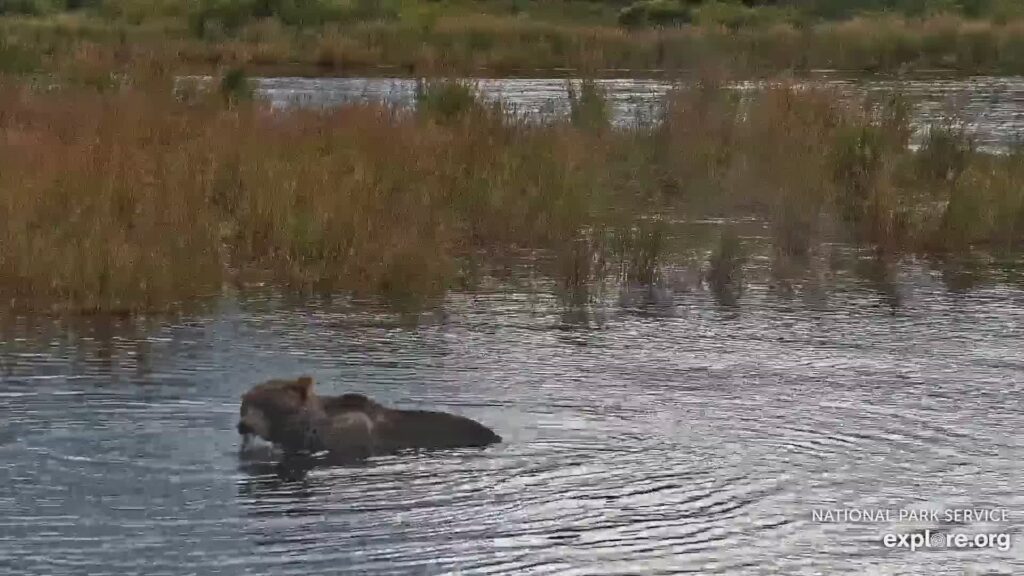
<point>291,415</point>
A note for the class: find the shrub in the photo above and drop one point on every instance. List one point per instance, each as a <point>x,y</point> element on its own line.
<point>28,7</point>
<point>236,87</point>
<point>589,107</point>
<point>445,100</point>
<point>655,13</point>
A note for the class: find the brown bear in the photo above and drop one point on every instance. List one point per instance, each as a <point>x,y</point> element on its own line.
<point>290,415</point>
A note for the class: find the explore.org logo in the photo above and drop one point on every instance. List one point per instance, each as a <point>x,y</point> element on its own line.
<point>928,540</point>
<point>932,538</point>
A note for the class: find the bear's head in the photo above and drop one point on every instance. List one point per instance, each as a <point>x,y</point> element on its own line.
<point>279,411</point>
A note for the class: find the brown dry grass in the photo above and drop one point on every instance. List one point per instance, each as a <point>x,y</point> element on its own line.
<point>127,199</point>
<point>492,44</point>
<point>133,200</point>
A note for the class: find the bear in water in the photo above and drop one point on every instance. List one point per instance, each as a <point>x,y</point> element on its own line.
<point>289,414</point>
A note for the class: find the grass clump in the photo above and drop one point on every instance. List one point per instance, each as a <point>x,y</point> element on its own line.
<point>725,272</point>
<point>102,203</point>
<point>133,199</point>
<point>588,108</point>
<point>818,169</point>
<point>236,87</point>
<point>445,100</point>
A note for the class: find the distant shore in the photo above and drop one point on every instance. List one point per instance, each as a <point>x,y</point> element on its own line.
<point>511,46</point>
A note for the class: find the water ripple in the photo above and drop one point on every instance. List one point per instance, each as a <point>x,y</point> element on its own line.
<point>695,442</point>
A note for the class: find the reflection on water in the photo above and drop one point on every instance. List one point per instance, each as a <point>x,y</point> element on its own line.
<point>992,107</point>
<point>651,429</point>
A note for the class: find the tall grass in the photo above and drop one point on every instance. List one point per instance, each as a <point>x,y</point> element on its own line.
<point>134,200</point>
<point>513,44</point>
<point>817,169</point>
<point>588,108</point>
<point>130,199</point>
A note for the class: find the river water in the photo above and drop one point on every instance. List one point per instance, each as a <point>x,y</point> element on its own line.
<point>991,107</point>
<point>655,431</point>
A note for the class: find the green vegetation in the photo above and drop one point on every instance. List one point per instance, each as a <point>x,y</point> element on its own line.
<point>446,100</point>
<point>235,86</point>
<point>588,106</point>
<point>127,198</point>
<point>513,36</point>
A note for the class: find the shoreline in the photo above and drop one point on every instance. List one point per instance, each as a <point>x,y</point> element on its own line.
<point>506,46</point>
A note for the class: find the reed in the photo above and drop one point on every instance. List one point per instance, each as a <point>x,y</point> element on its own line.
<point>103,201</point>
<point>588,107</point>
<point>128,198</point>
<point>819,169</point>
<point>134,200</point>
<point>725,272</point>
<point>431,40</point>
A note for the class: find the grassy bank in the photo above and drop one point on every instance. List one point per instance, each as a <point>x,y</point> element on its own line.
<point>499,44</point>
<point>133,200</point>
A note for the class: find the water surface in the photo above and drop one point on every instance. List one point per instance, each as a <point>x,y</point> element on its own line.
<point>992,107</point>
<point>656,432</point>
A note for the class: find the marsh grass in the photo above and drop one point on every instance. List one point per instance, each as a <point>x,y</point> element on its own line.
<point>695,142</point>
<point>818,168</point>
<point>447,100</point>
<point>582,266</point>
<point>436,39</point>
<point>235,86</point>
<point>641,249</point>
<point>725,271</point>
<point>131,199</point>
<point>588,106</point>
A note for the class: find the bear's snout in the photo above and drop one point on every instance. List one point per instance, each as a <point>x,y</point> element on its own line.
<point>244,429</point>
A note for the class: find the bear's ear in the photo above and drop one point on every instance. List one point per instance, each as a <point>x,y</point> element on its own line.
<point>305,386</point>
